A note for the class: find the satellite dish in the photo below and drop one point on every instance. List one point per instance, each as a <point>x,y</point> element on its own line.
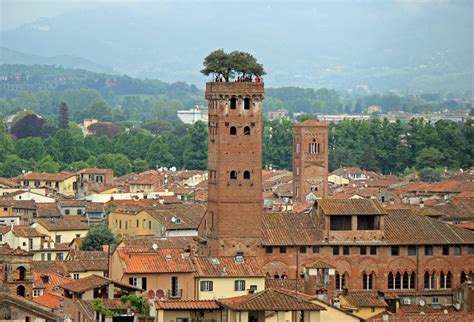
<point>445,311</point>
<point>173,169</point>
<point>154,246</point>
<point>173,219</point>
<point>422,303</point>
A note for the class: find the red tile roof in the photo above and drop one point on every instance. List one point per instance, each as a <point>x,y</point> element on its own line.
<point>190,215</point>
<point>403,226</point>
<point>159,261</point>
<point>187,305</point>
<point>63,224</point>
<point>53,279</point>
<point>7,182</point>
<point>92,282</point>
<point>26,231</point>
<point>351,207</point>
<point>362,299</point>
<point>227,266</point>
<point>269,300</point>
<point>49,300</point>
<point>45,176</point>
<point>284,228</point>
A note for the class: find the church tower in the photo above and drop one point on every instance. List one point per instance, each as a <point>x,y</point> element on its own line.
<point>17,274</point>
<point>233,223</point>
<point>310,161</point>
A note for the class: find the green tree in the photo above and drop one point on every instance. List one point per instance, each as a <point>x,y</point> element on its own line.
<point>6,143</point>
<point>140,165</point>
<point>100,235</point>
<point>195,147</point>
<point>159,154</point>
<point>63,116</point>
<point>228,65</point>
<point>118,162</point>
<point>368,161</point>
<point>47,164</point>
<point>429,175</point>
<point>429,158</point>
<point>30,148</point>
<point>13,166</point>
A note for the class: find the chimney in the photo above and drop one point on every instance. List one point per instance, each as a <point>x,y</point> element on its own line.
<point>422,204</point>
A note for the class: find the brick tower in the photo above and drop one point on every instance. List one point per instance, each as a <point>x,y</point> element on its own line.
<point>310,161</point>
<point>17,274</point>
<point>233,224</point>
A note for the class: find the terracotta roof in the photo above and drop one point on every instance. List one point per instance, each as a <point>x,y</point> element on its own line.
<point>7,182</point>
<point>187,305</point>
<point>403,226</point>
<point>148,177</point>
<point>159,261</point>
<point>48,280</point>
<point>87,255</point>
<point>47,210</point>
<point>95,171</point>
<point>351,207</point>
<point>26,231</point>
<point>95,207</point>
<point>361,299</point>
<point>190,215</point>
<point>466,225</point>
<point>63,224</point>
<point>189,173</point>
<point>382,182</point>
<point>97,265</point>
<point>72,203</point>
<point>269,300</point>
<point>50,266</point>
<point>45,176</point>
<point>284,228</point>
<point>24,204</point>
<point>319,264</point>
<point>49,300</point>
<point>457,208</point>
<point>4,229</point>
<point>227,266</point>
<point>311,123</point>
<point>37,310</point>
<point>91,282</point>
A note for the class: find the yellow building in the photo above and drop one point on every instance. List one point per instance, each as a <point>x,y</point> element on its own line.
<point>62,230</point>
<point>163,220</point>
<point>64,183</point>
<point>364,304</point>
<point>227,276</point>
<point>249,307</point>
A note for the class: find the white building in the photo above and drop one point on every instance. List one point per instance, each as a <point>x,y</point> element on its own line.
<point>198,113</point>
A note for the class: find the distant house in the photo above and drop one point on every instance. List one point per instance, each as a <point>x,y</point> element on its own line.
<point>63,230</point>
<point>191,116</point>
<point>190,178</point>
<point>227,276</point>
<point>64,183</point>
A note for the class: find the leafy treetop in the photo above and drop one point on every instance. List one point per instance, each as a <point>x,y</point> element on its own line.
<point>230,65</point>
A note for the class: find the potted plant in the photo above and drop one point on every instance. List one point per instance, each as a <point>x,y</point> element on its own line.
<point>99,307</point>
<point>141,306</point>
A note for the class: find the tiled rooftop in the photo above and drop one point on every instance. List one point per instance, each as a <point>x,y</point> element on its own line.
<point>228,266</point>
<point>187,305</point>
<point>351,207</point>
<point>286,228</point>
<point>159,261</point>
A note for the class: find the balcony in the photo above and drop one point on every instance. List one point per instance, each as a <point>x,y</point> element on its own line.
<point>175,293</point>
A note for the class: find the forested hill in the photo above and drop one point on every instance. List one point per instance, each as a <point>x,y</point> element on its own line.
<point>41,88</point>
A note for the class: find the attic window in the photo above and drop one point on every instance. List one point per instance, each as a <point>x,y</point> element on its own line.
<point>177,221</point>
<point>215,261</point>
<point>45,279</point>
<point>367,223</point>
<point>239,259</point>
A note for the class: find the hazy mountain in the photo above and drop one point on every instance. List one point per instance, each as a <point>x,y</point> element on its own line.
<point>381,45</point>
<point>8,56</point>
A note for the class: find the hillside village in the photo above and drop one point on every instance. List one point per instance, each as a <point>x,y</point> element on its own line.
<point>238,241</point>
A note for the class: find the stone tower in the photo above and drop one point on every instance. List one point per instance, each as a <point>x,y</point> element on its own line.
<point>17,275</point>
<point>233,223</point>
<point>310,161</point>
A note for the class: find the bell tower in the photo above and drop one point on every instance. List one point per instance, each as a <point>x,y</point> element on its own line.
<point>17,274</point>
<point>233,223</point>
<point>310,161</point>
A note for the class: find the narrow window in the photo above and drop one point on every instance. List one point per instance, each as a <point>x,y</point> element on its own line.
<point>457,250</point>
<point>335,250</point>
<point>345,250</point>
<point>363,250</point>
<point>302,249</point>
<point>233,103</point>
<point>233,130</point>
<point>247,175</point>
<point>247,103</point>
<point>428,250</point>
<point>269,249</point>
<point>247,130</point>
<point>373,250</point>
<point>315,249</point>
<point>282,250</point>
<point>445,250</point>
<point>239,285</point>
<point>390,284</point>
<point>412,280</point>
<point>411,250</point>
<point>233,175</point>
<point>395,250</point>
<point>340,281</point>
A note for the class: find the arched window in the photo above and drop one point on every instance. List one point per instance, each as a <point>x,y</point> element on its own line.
<point>412,280</point>
<point>247,130</point>
<point>20,273</point>
<point>276,276</point>
<point>340,281</point>
<point>233,175</point>
<point>233,130</point>
<point>233,103</point>
<point>390,281</point>
<point>445,280</point>
<point>405,281</point>
<point>20,291</point>
<point>247,103</point>
<point>247,175</point>
<point>367,281</point>
<point>314,147</point>
<point>428,281</point>
<point>398,281</point>
<point>463,277</point>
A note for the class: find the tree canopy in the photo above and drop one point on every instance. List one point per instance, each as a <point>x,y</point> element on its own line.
<point>230,65</point>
